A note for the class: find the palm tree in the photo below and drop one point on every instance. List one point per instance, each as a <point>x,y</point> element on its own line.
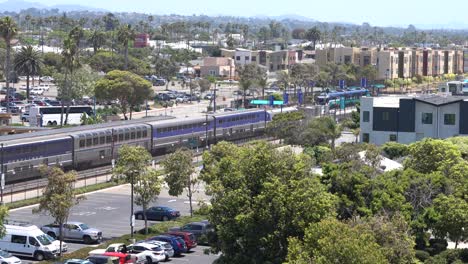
<point>313,35</point>
<point>263,83</point>
<point>124,35</point>
<point>8,31</point>
<point>28,61</point>
<point>70,62</point>
<point>97,39</point>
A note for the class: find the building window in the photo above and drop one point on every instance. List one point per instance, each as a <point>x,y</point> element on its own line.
<point>365,116</point>
<point>427,118</point>
<point>254,58</point>
<point>385,116</point>
<point>365,137</point>
<point>393,137</point>
<point>238,58</point>
<point>246,58</point>
<point>449,119</point>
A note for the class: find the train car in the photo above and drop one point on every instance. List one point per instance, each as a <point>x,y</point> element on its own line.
<point>98,147</point>
<point>348,95</point>
<point>22,156</point>
<point>240,124</point>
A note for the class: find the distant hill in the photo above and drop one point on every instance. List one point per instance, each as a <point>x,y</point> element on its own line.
<point>287,17</point>
<point>18,5</point>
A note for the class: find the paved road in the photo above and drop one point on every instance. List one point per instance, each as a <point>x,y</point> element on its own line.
<point>109,211</point>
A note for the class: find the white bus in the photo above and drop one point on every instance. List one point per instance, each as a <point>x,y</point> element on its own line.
<point>50,115</point>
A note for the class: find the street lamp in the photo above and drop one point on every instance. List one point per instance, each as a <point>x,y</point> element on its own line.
<point>3,176</point>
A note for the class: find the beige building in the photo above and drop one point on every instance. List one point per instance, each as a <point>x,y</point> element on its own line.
<point>417,62</point>
<point>367,56</point>
<point>448,61</point>
<point>218,67</point>
<point>342,55</point>
<point>458,62</point>
<point>437,62</point>
<point>405,62</point>
<point>387,64</point>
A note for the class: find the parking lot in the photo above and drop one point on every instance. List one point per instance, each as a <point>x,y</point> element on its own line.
<point>109,211</point>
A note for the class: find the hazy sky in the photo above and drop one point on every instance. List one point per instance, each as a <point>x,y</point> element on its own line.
<point>377,12</point>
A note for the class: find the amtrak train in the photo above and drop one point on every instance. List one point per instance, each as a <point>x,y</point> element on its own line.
<point>95,145</point>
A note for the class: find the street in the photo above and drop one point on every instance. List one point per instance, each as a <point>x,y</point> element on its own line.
<point>109,211</point>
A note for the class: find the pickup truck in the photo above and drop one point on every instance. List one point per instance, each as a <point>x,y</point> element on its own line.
<point>199,229</point>
<point>74,231</point>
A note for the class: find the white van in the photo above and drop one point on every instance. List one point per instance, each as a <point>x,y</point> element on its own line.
<point>27,240</point>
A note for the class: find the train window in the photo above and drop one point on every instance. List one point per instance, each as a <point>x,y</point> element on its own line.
<point>132,135</point>
<point>82,143</point>
<point>89,142</point>
<point>95,141</point>
<point>127,136</point>
<point>186,126</point>
<point>102,140</point>
<point>159,130</point>
<point>220,121</point>
<point>138,134</point>
<point>145,133</point>
<point>121,137</point>
<point>108,139</point>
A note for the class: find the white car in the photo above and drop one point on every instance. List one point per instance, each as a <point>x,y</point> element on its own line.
<point>7,258</point>
<point>37,91</point>
<point>56,243</point>
<point>47,79</point>
<point>166,246</point>
<point>44,86</point>
<point>149,252</point>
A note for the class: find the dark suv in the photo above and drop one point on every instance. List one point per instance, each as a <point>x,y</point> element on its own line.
<point>177,243</point>
<point>197,228</point>
<point>189,238</point>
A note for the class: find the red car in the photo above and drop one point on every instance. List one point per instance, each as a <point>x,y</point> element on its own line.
<point>123,257</point>
<point>188,238</point>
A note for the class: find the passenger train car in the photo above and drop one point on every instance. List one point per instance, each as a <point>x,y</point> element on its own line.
<point>95,145</point>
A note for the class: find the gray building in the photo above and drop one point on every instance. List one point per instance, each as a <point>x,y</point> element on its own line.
<point>409,119</point>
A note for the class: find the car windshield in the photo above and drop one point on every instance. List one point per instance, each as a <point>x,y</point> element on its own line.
<point>51,239</point>
<point>43,240</point>
<point>4,254</point>
<point>84,227</point>
<point>156,248</point>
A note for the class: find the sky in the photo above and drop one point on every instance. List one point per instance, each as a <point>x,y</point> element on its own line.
<point>376,12</point>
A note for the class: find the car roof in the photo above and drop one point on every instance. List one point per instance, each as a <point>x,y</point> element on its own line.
<point>74,223</point>
<point>178,233</point>
<point>143,244</point>
<point>164,236</point>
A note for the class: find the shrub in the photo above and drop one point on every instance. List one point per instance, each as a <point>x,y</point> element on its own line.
<point>422,255</point>
<point>395,150</point>
<point>322,154</point>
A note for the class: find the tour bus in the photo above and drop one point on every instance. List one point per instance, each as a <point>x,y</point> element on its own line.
<point>51,115</point>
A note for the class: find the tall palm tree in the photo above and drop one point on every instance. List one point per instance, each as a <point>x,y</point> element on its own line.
<point>8,31</point>
<point>124,36</point>
<point>28,61</point>
<point>313,35</point>
<point>97,39</point>
<point>70,62</point>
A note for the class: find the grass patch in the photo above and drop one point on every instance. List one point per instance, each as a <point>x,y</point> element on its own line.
<point>80,190</point>
<point>153,230</point>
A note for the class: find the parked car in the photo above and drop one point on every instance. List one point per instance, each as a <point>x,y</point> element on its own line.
<point>56,243</point>
<point>208,97</point>
<point>47,79</point>
<point>78,261</point>
<point>7,258</point>
<point>37,91</point>
<point>159,82</point>
<point>117,247</point>
<point>197,228</point>
<point>163,97</point>
<point>74,231</point>
<point>182,99</point>
<point>44,86</point>
<point>162,213</point>
<point>150,252</point>
<point>103,259</point>
<point>52,102</point>
<point>189,238</point>
<point>178,246</point>
<point>125,258</point>
<point>168,250</point>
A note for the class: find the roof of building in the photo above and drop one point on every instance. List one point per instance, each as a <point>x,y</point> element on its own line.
<point>387,101</point>
<point>439,100</point>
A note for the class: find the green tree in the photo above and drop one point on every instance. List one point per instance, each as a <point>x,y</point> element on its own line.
<point>395,150</point>
<point>58,198</point>
<point>97,39</point>
<point>284,126</point>
<point>258,184</point>
<point>125,34</point>
<point>321,130</point>
<point>451,218</point>
<point>130,89</point>
<point>249,75</point>
<point>147,190</point>
<point>8,30</point>
<point>331,241</point>
<point>165,68</point>
<point>204,85</point>
<point>28,61</point>
<point>132,163</point>
<point>314,35</point>
<point>443,155</point>
<point>180,174</point>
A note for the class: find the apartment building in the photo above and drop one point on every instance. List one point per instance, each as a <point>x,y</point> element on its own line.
<point>409,119</point>
<point>458,62</point>
<point>341,55</point>
<point>405,62</point>
<point>367,56</point>
<point>449,56</point>
<point>218,67</point>
<point>437,62</point>
<point>417,62</point>
<point>387,64</point>
<point>427,62</point>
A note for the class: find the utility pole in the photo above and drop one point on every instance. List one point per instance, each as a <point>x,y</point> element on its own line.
<point>3,177</point>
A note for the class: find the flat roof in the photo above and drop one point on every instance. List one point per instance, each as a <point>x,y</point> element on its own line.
<point>387,101</point>
<point>438,100</point>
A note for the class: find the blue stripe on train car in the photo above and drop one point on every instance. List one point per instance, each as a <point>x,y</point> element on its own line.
<point>37,150</point>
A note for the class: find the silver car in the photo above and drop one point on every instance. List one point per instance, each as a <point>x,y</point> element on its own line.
<point>168,250</point>
<point>7,258</point>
